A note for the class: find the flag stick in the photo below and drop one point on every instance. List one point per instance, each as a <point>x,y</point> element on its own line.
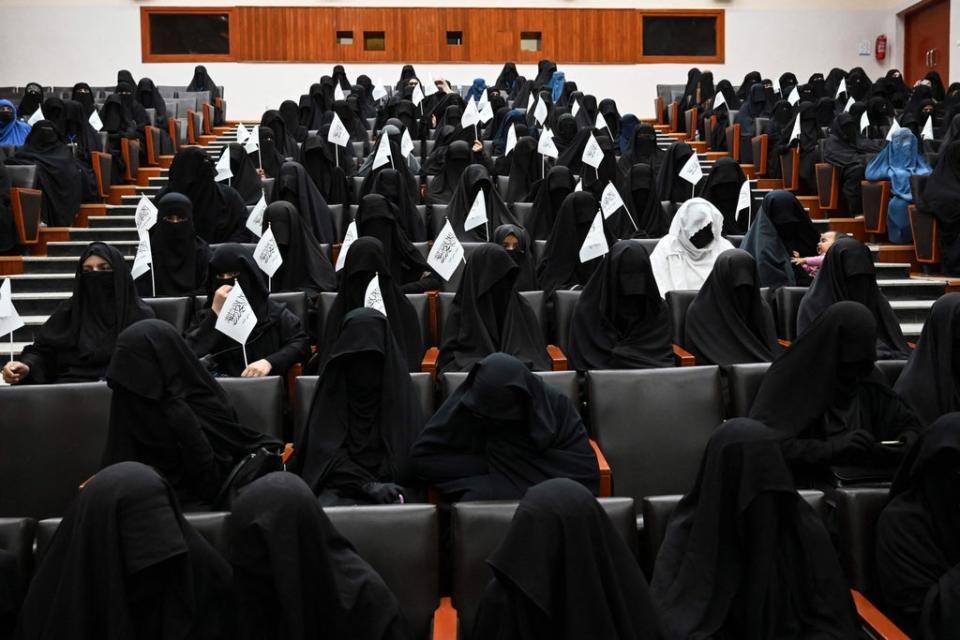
<point>270,283</point>
<point>11,339</point>
<point>246,363</point>
<point>632,221</point>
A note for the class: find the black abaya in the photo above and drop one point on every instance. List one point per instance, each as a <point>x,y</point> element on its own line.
<point>638,190</point>
<point>781,228</point>
<point>294,185</point>
<point>179,255</point>
<point>522,254</point>
<point>304,266</point>
<point>377,217</point>
<point>551,193</point>
<point>246,181</point>
<point>560,266</point>
<point>391,184</point>
<point>58,175</point>
<point>722,188</point>
<point>941,199</point>
<point>329,165</point>
<point>474,179</point>
<point>670,185</point>
<point>643,150</point>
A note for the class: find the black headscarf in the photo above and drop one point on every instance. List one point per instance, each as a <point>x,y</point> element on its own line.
<point>294,185</point>
<point>283,139</point>
<point>245,180</point>
<point>304,267</point>
<point>377,217</point>
<point>53,111</point>
<point>475,178</point>
<point>58,175</point>
<point>76,342</point>
<point>270,158</point>
<point>749,80</point>
<point>149,97</point>
<point>168,411</point>
<point>643,150</point>
<point>457,156</point>
<point>638,190</point>
<point>179,255</point>
<point>787,82</point>
<point>755,106</point>
<point>365,412</point>
<point>32,98</point>
<point>507,80</point>
<point>744,556</point>
<point>125,564</point>
<point>77,129</point>
<point>781,228</point>
<point>295,576</point>
<point>560,266</point>
<point>489,315</point>
<point>84,95</point>
<point>722,188</point>
<point>917,549</point>
<point>203,82</point>
<point>670,185</point>
<point>522,255</point>
<point>392,185</point>
<point>729,322</point>
<point>289,111</point>
<point>620,321</point>
<point>551,193</point>
<point>941,199</point>
<point>563,571</point>
<point>525,169</point>
<point>848,273</point>
<point>930,383</point>
<point>502,431</point>
<point>329,165</point>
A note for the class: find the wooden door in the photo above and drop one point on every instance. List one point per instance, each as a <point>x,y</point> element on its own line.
<point>927,47</point>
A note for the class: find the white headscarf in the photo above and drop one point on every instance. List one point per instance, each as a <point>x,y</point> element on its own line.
<point>677,264</point>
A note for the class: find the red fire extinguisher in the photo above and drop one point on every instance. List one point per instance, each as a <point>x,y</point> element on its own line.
<point>881,47</point>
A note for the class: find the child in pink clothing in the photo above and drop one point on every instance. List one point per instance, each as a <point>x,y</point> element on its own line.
<point>812,264</point>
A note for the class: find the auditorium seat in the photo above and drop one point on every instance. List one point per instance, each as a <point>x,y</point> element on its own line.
<point>677,303</point>
<point>16,537</point>
<point>445,304</point>
<point>420,302</point>
<point>891,369</point>
<point>744,382</point>
<point>477,529</point>
<point>563,381</point>
<point>858,509</point>
<point>522,211</point>
<point>176,311</point>
<point>564,305</point>
<point>258,402</point>
<point>296,301</point>
<point>438,218</point>
<point>786,307</point>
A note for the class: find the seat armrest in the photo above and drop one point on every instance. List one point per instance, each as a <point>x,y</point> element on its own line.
<point>429,362</point>
<point>287,453</point>
<point>293,373</point>
<point>557,358</point>
<point>684,358</point>
<point>880,625</point>
<point>784,343</point>
<point>606,481</point>
<point>445,621</point>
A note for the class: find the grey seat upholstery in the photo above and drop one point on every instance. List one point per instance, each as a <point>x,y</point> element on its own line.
<point>258,402</point>
<point>534,298</point>
<point>564,304</point>
<point>438,217</point>
<point>420,302</point>
<point>677,304</point>
<point>744,382</point>
<point>502,183</point>
<point>891,369</point>
<point>647,243</point>
<point>522,210</point>
<point>858,509</point>
<point>565,382</point>
<point>16,537</point>
<point>176,311</point>
<point>22,176</point>
<point>786,307</point>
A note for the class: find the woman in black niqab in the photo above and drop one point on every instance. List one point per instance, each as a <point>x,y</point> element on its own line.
<point>525,170</point>
<point>502,431</point>
<point>560,266</point>
<point>551,193</point>
<point>246,180</point>
<point>846,150</point>
<point>31,101</point>
<point>457,157</point>
<point>848,273</point>
<point>474,179</point>
<point>297,578</point>
<point>58,176</point>
<point>294,185</point>
<point>149,97</point>
<point>930,382</point>
<point>180,256</point>
<point>328,166</point>
<point>517,242</point>
<point>744,555</point>
<point>755,106</point>
<point>364,416</point>
<point>643,150</point>
<point>488,315</point>
<point>392,185</point>
<point>290,113</point>
<point>84,95</point>
<point>284,142</point>
<point>639,193</point>
<point>562,549</point>
<point>941,199</point>
<point>407,73</point>
<point>729,322</point>
<point>124,563</point>
<point>377,217</point>
<point>670,185</point>
<point>304,266</point>
<point>917,548</point>
<point>620,321</point>
<point>203,82</point>
<point>787,82</point>
<point>722,188</point>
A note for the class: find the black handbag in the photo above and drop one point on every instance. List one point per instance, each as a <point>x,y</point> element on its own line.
<point>251,467</point>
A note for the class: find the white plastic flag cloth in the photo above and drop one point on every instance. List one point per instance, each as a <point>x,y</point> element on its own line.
<point>927,132</point>
<point>267,254</point>
<point>338,92</point>
<point>348,239</point>
<point>610,200</point>
<point>511,139</point>
<point>478,212</point>
<point>95,121</point>
<point>338,133</point>
<point>691,171</point>
<point>546,146</point>
<point>383,152</point>
<point>601,123</point>
<point>593,154</point>
<point>10,320</point>
<point>446,254</point>
<point>144,258</point>
<point>864,121</point>
<point>379,91</point>
<point>483,98</point>
<point>253,140</point>
<point>795,133</point>
<point>849,104</point>
<point>894,127</point>
<point>575,109</point>
<point>430,88</point>
<point>146,215</point>
<point>470,115</point>
<point>36,117</point>
<point>255,219</point>
<point>719,100</point>
<point>486,112</point>
<point>579,185</point>
<point>417,96</point>
<point>236,318</point>
<point>842,88</point>
<point>794,96</point>
<point>242,133</point>
<point>743,201</point>
<point>540,111</point>
<point>595,244</point>
<point>223,166</point>
<point>406,144</point>
<point>373,297</point>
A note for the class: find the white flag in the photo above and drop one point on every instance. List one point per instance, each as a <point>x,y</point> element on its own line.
<point>379,91</point>
<point>338,133</point>
<point>478,212</point>
<point>849,104</point>
<point>511,139</point>
<point>470,115</point>
<point>894,127</point>
<point>95,121</point>
<point>373,298</point>
<point>486,112</point>
<point>267,253</point>
<point>575,109</point>
<point>430,88</point>
<point>545,145</point>
<point>236,318</point>
<point>255,219</point>
<point>601,123</point>
<point>595,244</point>
<point>253,140</point>
<point>446,254</point>
<point>540,111</point>
<point>529,104</point>
<point>223,166</point>
<point>417,96</point>
<point>579,185</point>
<point>348,239</point>
<point>592,153</point>
<point>864,121</point>
<point>10,320</point>
<point>383,152</point>
<point>795,133</point>
<point>610,201</point>
<point>36,117</point>
<point>842,88</point>
<point>338,92</point>
<point>691,171</point>
<point>927,132</point>
<point>146,215</point>
<point>743,201</point>
<point>144,259</point>
<point>242,133</point>
<point>406,144</point>
<point>794,96</point>
<point>719,100</point>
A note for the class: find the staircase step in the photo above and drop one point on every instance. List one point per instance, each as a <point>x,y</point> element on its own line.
<point>912,311</point>
<point>104,234</point>
<point>911,330</point>
<point>46,264</point>
<point>37,303</point>
<point>41,282</point>
<point>892,270</point>
<point>75,248</point>
<point>110,222</point>
<point>911,289</point>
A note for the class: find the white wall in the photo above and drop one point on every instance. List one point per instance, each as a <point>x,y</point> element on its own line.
<point>59,42</point>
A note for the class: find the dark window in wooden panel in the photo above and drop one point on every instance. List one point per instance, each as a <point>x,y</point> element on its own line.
<point>345,37</point>
<point>680,36</point>
<point>455,38</point>
<point>531,41</point>
<point>374,41</point>
<point>177,34</point>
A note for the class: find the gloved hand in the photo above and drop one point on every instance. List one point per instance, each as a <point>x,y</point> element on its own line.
<point>383,492</point>
<point>851,443</point>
